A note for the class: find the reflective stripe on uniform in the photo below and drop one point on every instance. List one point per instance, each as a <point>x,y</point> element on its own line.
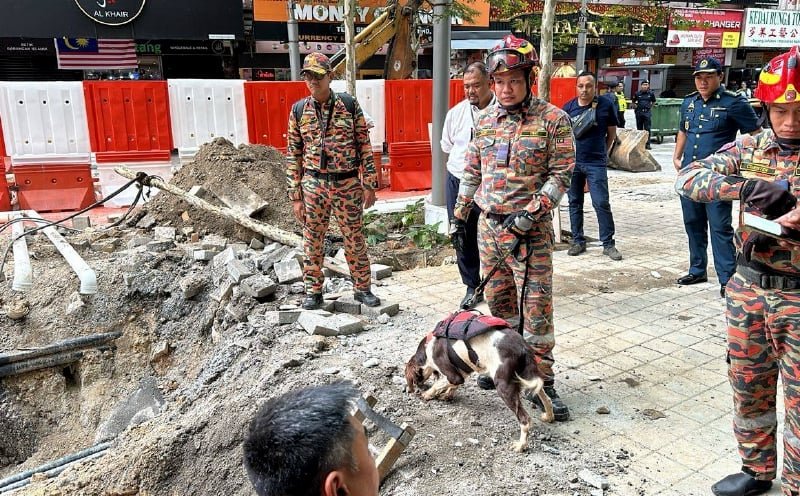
<point>767,420</point>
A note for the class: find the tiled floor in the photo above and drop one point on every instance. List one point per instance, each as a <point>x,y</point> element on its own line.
<point>652,345</point>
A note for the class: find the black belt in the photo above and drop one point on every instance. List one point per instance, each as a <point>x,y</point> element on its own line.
<point>765,280</point>
<point>332,176</point>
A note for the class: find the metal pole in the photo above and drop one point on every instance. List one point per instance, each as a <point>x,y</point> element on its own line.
<point>441,96</point>
<point>294,43</point>
<point>580,59</point>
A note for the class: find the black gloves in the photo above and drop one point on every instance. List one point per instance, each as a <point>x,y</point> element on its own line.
<point>755,241</point>
<point>518,223</point>
<point>773,199</point>
<point>458,234</point>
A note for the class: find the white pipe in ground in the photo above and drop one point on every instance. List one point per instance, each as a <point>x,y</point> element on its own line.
<point>23,273</point>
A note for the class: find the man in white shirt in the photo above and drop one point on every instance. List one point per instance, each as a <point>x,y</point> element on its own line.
<point>458,131</point>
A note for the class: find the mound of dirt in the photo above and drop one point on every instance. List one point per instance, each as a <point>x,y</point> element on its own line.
<point>220,165</point>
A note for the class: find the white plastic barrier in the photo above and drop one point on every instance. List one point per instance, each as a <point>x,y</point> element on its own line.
<point>44,122</point>
<point>110,181</point>
<point>371,95</point>
<point>204,109</point>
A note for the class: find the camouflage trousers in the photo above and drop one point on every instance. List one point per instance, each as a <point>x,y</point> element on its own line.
<point>503,291</point>
<point>763,342</point>
<point>344,200</point>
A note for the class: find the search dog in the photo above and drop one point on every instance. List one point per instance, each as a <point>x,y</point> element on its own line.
<point>452,352</point>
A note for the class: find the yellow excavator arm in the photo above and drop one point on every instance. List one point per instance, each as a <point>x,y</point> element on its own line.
<point>394,26</point>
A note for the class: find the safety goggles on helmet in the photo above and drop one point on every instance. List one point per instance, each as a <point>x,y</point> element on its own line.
<point>779,81</point>
<point>509,58</point>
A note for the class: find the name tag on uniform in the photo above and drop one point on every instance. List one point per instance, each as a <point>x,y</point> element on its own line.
<point>759,167</point>
<point>485,132</point>
<point>502,154</point>
<point>539,133</point>
<point>717,111</point>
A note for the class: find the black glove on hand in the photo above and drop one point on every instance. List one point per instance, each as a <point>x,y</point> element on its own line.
<point>755,241</point>
<point>518,223</point>
<point>458,234</point>
<point>773,199</point>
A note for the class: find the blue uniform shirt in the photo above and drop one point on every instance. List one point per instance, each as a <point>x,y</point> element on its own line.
<point>591,148</point>
<point>711,124</point>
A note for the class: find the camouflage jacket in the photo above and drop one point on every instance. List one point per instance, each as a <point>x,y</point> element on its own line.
<point>307,140</point>
<point>518,161</point>
<point>757,157</point>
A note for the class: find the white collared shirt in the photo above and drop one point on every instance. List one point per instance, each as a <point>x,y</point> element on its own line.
<point>457,133</point>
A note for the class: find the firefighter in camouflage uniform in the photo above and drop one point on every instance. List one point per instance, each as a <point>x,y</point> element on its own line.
<point>518,166</point>
<point>330,172</point>
<point>763,297</point>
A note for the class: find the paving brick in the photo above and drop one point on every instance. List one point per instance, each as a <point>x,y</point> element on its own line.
<point>386,307</point>
<point>138,241</point>
<point>289,316</point>
<point>259,286</point>
<point>347,304</point>
<point>275,254</point>
<point>214,242</point>
<point>380,271</point>
<point>334,325</point>
<point>289,271</point>
<point>146,222</point>
<point>164,232</point>
<point>203,255</point>
<point>293,254</point>
<point>256,244</point>
<point>223,257</point>
<point>238,247</point>
<point>81,222</point>
<point>159,246</point>
<point>238,271</point>
<point>223,291</point>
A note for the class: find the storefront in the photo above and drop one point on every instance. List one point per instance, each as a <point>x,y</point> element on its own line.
<point>765,34</point>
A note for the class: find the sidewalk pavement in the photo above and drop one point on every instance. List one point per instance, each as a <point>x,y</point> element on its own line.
<point>629,339</point>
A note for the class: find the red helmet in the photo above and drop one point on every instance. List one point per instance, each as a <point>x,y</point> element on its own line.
<point>780,79</point>
<point>510,54</point>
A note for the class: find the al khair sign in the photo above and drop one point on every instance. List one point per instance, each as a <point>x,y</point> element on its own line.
<point>111,12</point>
<point>704,28</point>
<point>771,28</point>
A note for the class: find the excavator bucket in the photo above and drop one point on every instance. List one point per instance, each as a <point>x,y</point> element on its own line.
<point>630,154</point>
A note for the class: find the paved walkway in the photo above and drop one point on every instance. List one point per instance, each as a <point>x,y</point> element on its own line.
<point>630,339</point>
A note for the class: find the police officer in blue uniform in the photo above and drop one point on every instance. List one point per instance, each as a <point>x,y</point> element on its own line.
<point>644,99</point>
<point>710,118</point>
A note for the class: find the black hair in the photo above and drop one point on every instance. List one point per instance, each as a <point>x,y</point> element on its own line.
<point>297,439</point>
<point>477,67</point>
<point>587,73</point>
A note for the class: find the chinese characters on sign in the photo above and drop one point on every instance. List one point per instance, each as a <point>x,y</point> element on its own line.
<point>704,28</point>
<point>771,28</point>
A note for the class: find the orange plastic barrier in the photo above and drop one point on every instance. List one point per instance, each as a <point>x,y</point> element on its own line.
<point>408,110</point>
<point>2,143</point>
<point>456,91</point>
<point>562,90</point>
<point>268,106</point>
<point>5,197</point>
<point>54,188</point>
<point>128,120</point>
<point>410,165</point>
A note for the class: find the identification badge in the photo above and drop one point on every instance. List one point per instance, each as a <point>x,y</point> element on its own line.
<point>502,154</point>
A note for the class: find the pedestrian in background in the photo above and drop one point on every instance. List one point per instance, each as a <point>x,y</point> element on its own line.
<point>330,172</point>
<point>622,103</point>
<point>644,99</point>
<point>763,296</point>
<point>744,90</point>
<point>710,118</point>
<point>458,130</point>
<point>307,443</point>
<point>591,165</point>
<point>517,169</point>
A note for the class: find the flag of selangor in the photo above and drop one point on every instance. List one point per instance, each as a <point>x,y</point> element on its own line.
<point>90,53</point>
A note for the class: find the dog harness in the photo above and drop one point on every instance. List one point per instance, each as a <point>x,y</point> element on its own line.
<point>463,326</point>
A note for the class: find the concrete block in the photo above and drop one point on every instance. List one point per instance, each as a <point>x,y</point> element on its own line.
<point>238,247</point>
<point>223,258</point>
<point>289,271</point>
<point>108,245</point>
<point>191,285</point>
<point>380,271</point>
<point>334,325</point>
<point>274,252</point>
<point>259,286</point>
<point>188,231</point>
<point>203,255</point>
<point>386,307</point>
<point>146,222</point>
<point>238,271</point>
<point>214,242</point>
<point>293,254</point>
<point>289,316</point>
<point>347,305</point>
<point>81,222</point>
<point>341,267</point>
<point>159,246</point>
<point>164,232</point>
<point>223,291</point>
<point>256,244</point>
<point>138,241</point>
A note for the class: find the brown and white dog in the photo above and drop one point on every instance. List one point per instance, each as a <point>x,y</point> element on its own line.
<point>502,354</point>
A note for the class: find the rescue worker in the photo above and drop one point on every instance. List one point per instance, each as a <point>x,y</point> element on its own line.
<point>458,130</point>
<point>330,171</point>
<point>644,99</point>
<point>763,296</point>
<point>518,167</point>
<point>710,118</point>
<point>622,104</point>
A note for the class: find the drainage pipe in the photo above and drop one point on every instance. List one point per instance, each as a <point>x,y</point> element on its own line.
<point>66,345</point>
<point>85,273</point>
<point>40,363</point>
<point>23,274</point>
<point>55,464</point>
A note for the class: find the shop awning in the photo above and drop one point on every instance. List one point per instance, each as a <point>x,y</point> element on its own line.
<point>478,44</point>
<point>652,67</point>
<point>475,40</point>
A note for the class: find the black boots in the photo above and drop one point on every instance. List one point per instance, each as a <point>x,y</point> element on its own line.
<point>560,410</point>
<point>312,301</point>
<point>471,299</point>
<point>741,484</point>
<point>367,298</point>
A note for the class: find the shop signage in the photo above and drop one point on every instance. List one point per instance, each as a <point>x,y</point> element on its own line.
<point>622,57</point>
<point>704,28</point>
<point>111,12</point>
<point>701,53</point>
<point>771,28</point>
<point>26,47</point>
<point>181,47</point>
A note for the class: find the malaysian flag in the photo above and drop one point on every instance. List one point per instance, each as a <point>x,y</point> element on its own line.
<point>90,53</point>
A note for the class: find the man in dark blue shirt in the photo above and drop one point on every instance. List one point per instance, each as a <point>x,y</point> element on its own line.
<point>710,118</point>
<point>644,99</point>
<point>591,161</point>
